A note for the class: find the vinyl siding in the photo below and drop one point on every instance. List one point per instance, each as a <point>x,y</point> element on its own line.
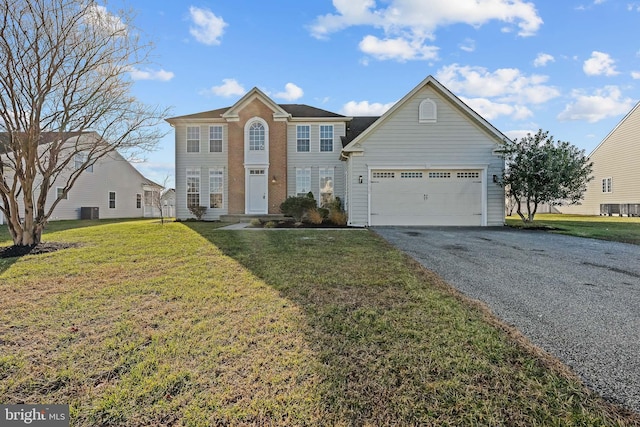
<point>617,157</point>
<point>454,140</point>
<point>315,159</point>
<point>203,160</point>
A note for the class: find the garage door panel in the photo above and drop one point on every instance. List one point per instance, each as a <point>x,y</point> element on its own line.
<point>426,198</point>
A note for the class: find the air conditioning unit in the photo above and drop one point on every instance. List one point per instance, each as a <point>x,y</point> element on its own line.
<point>89,213</point>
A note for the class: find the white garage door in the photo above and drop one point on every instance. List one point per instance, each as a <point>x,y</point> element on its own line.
<point>426,197</point>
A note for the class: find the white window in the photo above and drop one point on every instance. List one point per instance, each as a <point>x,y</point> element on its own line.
<point>384,175</point>
<point>428,111</point>
<point>216,186</point>
<point>439,174</point>
<point>256,137</point>
<point>471,175</point>
<point>60,193</point>
<point>193,139</point>
<point>303,181</point>
<point>326,186</point>
<point>303,139</point>
<point>112,199</point>
<point>79,160</point>
<point>138,201</point>
<point>326,138</point>
<point>410,174</point>
<point>193,187</point>
<point>215,139</point>
<point>606,185</point>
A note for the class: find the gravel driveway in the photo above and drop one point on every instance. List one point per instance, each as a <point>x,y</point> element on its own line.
<point>579,299</point>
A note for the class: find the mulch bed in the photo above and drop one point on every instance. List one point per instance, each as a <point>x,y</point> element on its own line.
<point>293,224</point>
<point>41,248</point>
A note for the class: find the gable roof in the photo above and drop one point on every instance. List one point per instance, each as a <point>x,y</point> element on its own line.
<point>281,111</point>
<point>624,119</point>
<point>446,93</point>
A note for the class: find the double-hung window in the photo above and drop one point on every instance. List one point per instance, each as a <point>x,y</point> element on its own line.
<point>112,199</point>
<point>216,186</point>
<point>215,139</point>
<point>193,187</point>
<point>60,194</point>
<point>138,201</point>
<point>303,181</point>
<point>326,186</point>
<point>607,185</point>
<point>303,139</point>
<point>326,138</point>
<point>193,139</point>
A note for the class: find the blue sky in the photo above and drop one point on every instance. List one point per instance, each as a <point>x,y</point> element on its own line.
<point>571,67</point>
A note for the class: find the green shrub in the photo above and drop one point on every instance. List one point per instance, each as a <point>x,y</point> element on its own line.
<point>297,206</point>
<point>324,212</point>
<point>313,216</point>
<point>198,211</point>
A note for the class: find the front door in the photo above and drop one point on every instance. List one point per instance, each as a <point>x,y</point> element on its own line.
<point>257,195</point>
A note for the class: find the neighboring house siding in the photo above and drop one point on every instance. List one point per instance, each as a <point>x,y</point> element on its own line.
<point>453,140</point>
<point>203,161</point>
<point>618,158</point>
<point>315,159</point>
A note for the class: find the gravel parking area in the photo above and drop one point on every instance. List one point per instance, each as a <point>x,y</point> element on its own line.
<point>578,299</point>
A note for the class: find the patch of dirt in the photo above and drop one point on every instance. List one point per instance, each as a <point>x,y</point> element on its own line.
<point>41,248</point>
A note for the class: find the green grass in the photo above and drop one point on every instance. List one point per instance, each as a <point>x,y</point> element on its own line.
<point>614,228</point>
<point>185,324</point>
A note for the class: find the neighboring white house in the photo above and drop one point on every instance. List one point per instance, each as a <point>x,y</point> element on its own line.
<point>430,160</point>
<point>111,188</point>
<point>615,188</point>
<point>168,201</point>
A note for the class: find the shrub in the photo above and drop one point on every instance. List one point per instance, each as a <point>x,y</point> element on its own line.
<point>313,216</point>
<point>338,217</point>
<point>198,211</point>
<point>255,222</point>
<point>270,224</point>
<point>297,206</point>
<point>324,212</point>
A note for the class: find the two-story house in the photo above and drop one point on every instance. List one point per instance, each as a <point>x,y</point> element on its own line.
<point>429,160</point>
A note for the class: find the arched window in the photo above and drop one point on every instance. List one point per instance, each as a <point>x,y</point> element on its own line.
<point>256,136</point>
<point>428,111</point>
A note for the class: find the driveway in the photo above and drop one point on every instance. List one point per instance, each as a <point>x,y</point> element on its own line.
<point>578,299</point>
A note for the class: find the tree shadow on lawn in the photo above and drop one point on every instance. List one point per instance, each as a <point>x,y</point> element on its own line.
<point>395,343</point>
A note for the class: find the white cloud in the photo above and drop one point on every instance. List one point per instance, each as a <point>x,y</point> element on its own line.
<point>469,45</point>
<point>518,134</point>
<point>635,75</point>
<point>490,110</point>
<point>208,28</point>
<point>364,108</point>
<point>291,92</point>
<point>603,103</point>
<point>599,64</point>
<point>505,84</point>
<point>543,59</point>
<point>98,17</point>
<point>407,24</point>
<point>398,48</point>
<point>229,87</point>
<point>160,75</point>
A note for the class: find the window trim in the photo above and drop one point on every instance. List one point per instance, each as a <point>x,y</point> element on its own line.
<point>59,196</point>
<point>138,201</point>
<point>306,171</point>
<point>333,145</point>
<point>109,201</point>
<point>326,172</point>
<point>195,173</point>
<point>263,147</point>
<point>308,138</point>
<point>197,150</point>
<point>211,128</point>
<point>218,172</point>
<point>607,185</point>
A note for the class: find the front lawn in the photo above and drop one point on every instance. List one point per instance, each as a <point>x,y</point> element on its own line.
<point>615,228</point>
<point>185,324</point>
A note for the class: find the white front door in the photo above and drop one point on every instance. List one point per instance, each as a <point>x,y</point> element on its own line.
<point>256,194</point>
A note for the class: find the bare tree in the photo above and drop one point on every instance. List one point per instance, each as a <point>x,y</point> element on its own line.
<point>65,102</point>
<point>157,201</point>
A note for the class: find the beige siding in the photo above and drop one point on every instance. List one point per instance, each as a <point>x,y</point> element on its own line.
<point>618,158</point>
<point>203,160</point>
<point>315,159</point>
<point>454,140</point>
